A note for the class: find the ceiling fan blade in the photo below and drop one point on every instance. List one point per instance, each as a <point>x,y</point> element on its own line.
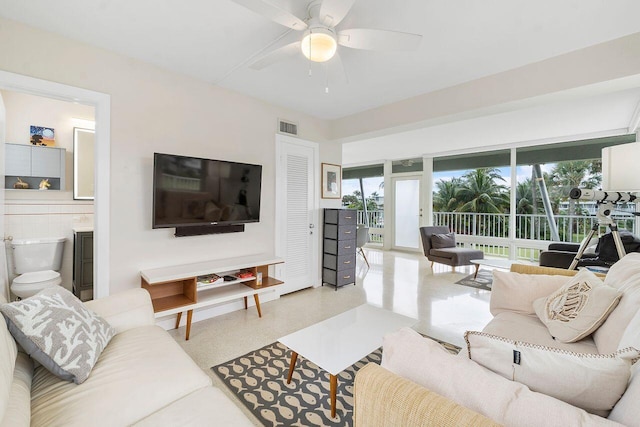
<point>370,39</point>
<point>334,11</point>
<point>274,13</point>
<point>277,55</point>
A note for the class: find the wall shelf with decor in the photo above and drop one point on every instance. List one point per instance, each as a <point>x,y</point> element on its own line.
<point>188,287</point>
<point>30,164</point>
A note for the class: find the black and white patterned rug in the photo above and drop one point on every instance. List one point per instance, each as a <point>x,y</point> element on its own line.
<point>259,380</point>
<point>483,281</point>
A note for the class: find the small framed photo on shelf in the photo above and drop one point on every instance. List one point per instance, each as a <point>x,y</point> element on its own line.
<point>331,181</point>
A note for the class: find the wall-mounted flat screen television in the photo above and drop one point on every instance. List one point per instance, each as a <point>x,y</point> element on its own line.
<point>190,191</point>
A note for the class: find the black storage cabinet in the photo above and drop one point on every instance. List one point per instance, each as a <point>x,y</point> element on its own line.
<point>339,247</point>
<point>82,263</point>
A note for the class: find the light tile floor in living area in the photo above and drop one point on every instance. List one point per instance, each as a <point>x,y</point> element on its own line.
<point>397,281</point>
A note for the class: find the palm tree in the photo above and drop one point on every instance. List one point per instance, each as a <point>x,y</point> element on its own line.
<point>525,202</point>
<point>567,175</point>
<point>481,193</point>
<point>444,199</point>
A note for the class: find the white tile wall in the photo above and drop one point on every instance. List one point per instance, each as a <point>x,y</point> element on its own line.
<point>25,219</point>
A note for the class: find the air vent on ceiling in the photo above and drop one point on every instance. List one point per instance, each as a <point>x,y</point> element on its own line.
<point>288,127</point>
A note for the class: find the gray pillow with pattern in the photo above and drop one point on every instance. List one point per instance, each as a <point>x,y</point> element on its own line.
<point>55,329</point>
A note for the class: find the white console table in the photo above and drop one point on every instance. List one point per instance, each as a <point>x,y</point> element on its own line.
<point>176,289</point>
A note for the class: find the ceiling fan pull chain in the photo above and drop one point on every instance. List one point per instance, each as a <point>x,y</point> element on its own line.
<point>326,72</point>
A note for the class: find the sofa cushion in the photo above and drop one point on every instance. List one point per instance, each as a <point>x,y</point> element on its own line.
<point>8,352</point>
<point>458,255</point>
<point>626,410</point>
<point>528,328</point>
<point>624,275</point>
<point>55,329</point>
<point>141,371</point>
<point>207,407</point>
<point>18,412</point>
<point>516,292</point>
<point>425,362</point>
<point>446,240</point>
<point>578,308</point>
<point>592,382</point>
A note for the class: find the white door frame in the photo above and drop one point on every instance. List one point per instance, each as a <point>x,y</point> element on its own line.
<point>281,218</point>
<point>102,104</point>
<point>401,176</point>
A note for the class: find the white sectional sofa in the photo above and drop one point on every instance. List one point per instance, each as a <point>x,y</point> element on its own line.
<point>142,378</point>
<point>421,384</point>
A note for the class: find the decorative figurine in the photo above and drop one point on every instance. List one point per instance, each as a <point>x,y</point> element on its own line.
<point>21,185</point>
<point>44,184</point>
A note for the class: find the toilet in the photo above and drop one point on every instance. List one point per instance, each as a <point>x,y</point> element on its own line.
<point>37,262</point>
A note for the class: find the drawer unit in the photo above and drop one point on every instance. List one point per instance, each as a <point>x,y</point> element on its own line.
<point>341,216</point>
<point>338,278</point>
<point>338,263</point>
<point>340,232</point>
<point>339,248</point>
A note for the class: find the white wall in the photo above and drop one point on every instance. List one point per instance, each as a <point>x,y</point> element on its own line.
<point>153,110</point>
<point>4,277</point>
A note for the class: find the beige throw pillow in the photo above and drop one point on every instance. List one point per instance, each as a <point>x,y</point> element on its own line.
<point>593,382</point>
<point>578,308</point>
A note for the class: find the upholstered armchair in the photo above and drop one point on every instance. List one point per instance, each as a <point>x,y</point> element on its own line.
<point>439,246</point>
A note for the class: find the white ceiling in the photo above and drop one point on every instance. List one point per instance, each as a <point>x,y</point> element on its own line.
<point>549,121</point>
<point>213,40</point>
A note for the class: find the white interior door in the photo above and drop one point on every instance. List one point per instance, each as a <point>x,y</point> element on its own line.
<point>407,212</point>
<point>4,274</point>
<point>296,213</point>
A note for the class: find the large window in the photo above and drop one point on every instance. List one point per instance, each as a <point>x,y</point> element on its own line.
<point>545,176</point>
<point>471,193</point>
<point>363,189</point>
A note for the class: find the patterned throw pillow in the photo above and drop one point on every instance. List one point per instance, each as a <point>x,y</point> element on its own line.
<point>55,329</point>
<point>593,382</point>
<point>578,308</point>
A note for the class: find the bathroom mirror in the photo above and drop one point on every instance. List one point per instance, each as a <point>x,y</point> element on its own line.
<point>83,163</point>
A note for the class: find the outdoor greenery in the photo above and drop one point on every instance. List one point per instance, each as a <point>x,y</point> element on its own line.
<point>354,201</point>
<point>485,191</point>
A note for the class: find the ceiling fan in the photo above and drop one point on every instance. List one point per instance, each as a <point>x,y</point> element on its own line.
<point>320,39</point>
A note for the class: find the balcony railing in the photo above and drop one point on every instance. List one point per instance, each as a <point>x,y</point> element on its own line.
<point>571,228</point>
<point>376,224</point>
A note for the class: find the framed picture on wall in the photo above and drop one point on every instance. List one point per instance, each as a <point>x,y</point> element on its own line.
<point>331,181</point>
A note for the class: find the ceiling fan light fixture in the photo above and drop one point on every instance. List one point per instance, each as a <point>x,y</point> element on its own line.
<point>319,45</point>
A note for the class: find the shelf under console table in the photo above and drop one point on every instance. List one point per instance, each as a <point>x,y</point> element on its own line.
<point>185,287</point>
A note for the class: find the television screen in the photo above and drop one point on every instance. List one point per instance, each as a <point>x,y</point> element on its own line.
<point>193,191</point>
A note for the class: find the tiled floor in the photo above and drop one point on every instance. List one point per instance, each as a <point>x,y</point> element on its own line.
<point>398,281</point>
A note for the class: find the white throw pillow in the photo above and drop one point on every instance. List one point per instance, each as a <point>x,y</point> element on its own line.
<point>55,329</point>
<point>593,382</point>
<point>516,292</point>
<point>624,276</point>
<point>578,308</point>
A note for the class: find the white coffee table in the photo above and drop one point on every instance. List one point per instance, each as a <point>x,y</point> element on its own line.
<point>337,343</point>
<point>493,262</point>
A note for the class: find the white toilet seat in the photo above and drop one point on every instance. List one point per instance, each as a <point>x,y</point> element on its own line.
<point>29,284</point>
